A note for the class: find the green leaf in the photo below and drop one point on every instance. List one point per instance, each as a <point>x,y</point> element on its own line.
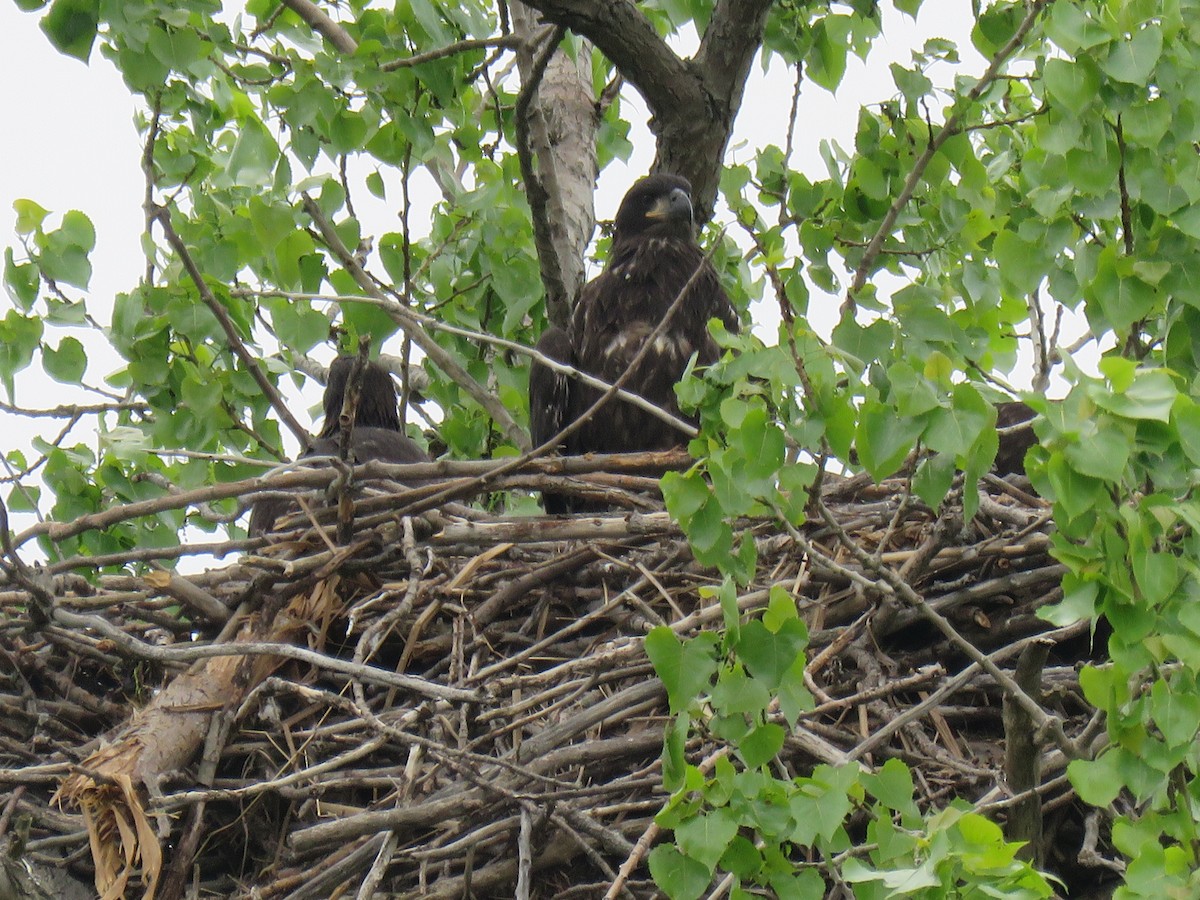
<point>66,364</point>
<point>71,26</point>
<point>742,858</point>
<point>933,479</point>
<point>736,693</point>
<point>1078,603</point>
<point>254,155</point>
<point>1123,297</point>
<point>1071,26</point>
<point>376,186</point>
<point>884,438</point>
<point>768,655</point>
<point>1151,396</point>
<point>1185,416</point>
<point>1097,781</point>
<point>1074,86</point>
<point>1102,453</point>
<point>681,877</point>
<point>892,785</point>
<point>827,60</point>
<point>685,668</point>
<point>762,744</point>
<point>22,281</point>
<point>1176,712</point>
<point>78,230</point>
<point>1133,61</point>
<point>20,336</point>
<point>1158,574</point>
<point>706,836</point>
<point>30,216</point>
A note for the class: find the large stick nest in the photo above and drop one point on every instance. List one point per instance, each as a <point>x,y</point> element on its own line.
<point>432,707</point>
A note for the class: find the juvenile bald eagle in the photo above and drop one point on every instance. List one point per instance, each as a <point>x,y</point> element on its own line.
<point>654,256</point>
<point>377,434</point>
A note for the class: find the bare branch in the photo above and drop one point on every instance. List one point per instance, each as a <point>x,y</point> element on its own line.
<point>72,411</point>
<point>504,42</point>
<point>319,22</point>
<point>558,303</point>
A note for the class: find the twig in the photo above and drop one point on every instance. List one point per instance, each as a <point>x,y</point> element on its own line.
<point>437,354</point>
<point>504,42</point>
<point>163,216</point>
<point>948,130</point>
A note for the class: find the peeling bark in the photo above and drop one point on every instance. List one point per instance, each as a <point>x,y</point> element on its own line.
<point>563,125</point>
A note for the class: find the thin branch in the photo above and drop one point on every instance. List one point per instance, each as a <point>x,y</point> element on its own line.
<point>549,264</point>
<point>72,411</point>
<point>408,322</point>
<point>504,42</point>
<point>192,652</point>
<point>952,126</point>
<point>683,427</point>
<point>163,215</point>
<point>319,22</point>
<point>893,584</point>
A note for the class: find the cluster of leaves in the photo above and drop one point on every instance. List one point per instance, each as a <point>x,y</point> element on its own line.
<point>243,117</point>
<point>1072,179</point>
<point>1120,456</point>
<point>736,817</point>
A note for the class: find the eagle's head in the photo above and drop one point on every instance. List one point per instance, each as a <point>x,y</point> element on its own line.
<point>656,206</point>
<point>376,404</point>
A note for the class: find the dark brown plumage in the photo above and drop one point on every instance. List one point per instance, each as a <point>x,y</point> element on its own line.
<point>1010,457</point>
<point>654,255</point>
<point>377,434</point>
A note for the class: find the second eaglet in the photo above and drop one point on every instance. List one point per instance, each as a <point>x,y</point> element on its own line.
<point>378,433</point>
<point>654,258</point>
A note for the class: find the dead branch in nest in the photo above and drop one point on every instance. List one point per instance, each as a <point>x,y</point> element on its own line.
<point>460,704</point>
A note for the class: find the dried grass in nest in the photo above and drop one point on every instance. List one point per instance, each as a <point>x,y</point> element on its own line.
<point>467,708</point>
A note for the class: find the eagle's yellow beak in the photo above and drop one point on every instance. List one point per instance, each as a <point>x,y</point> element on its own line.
<point>675,205</point>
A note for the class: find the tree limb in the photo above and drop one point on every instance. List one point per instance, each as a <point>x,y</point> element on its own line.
<point>693,102</point>
<point>319,22</point>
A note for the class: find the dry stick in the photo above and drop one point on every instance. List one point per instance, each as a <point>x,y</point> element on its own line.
<point>524,853</point>
<point>533,353</point>
<point>133,646</point>
<point>896,586</point>
<point>412,328</point>
<point>163,215</point>
<point>950,687</point>
<point>948,130</point>
<point>321,477</point>
<point>378,868</point>
<point>72,411</point>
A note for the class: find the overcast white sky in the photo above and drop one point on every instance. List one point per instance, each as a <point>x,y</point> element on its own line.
<point>71,144</point>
